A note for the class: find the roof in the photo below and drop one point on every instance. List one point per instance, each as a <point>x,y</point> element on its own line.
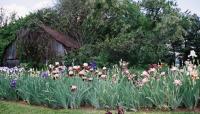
<point>67,41</point>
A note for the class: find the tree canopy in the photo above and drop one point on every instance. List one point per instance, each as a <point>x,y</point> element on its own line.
<point>109,30</point>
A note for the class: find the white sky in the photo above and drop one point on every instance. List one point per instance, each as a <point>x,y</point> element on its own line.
<point>23,7</point>
<point>191,5</point>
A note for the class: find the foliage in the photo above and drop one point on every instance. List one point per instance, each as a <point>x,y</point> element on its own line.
<point>122,30</point>
<point>26,31</point>
<point>158,91</point>
<point>5,18</point>
<point>8,33</point>
<point>192,37</point>
<point>140,32</point>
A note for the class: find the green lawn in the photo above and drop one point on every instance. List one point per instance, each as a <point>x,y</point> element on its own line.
<point>16,108</point>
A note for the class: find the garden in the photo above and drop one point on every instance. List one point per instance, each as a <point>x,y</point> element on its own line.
<point>100,56</point>
<point>118,87</point>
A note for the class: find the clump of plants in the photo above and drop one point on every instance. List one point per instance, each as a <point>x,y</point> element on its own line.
<point>157,87</point>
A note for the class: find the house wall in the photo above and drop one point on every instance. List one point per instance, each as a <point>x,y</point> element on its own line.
<point>55,48</point>
<point>11,59</point>
<point>58,49</point>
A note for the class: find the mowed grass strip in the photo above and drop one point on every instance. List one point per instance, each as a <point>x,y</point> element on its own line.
<point>17,108</point>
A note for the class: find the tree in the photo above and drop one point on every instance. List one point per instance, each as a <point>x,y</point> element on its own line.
<point>191,39</point>
<point>164,26</point>
<point>72,13</point>
<point>6,18</point>
<point>113,27</point>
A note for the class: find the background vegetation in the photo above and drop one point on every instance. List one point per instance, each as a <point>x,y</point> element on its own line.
<point>109,30</point>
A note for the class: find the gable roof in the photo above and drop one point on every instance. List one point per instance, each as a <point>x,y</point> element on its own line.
<point>67,41</point>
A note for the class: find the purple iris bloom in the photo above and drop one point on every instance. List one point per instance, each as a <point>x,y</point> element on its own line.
<point>13,83</point>
<point>44,74</point>
<point>93,64</point>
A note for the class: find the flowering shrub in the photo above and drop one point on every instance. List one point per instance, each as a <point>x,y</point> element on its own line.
<point>78,85</point>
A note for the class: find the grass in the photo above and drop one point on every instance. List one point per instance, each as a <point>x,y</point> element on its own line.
<point>17,108</point>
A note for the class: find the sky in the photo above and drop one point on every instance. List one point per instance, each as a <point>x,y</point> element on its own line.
<point>23,7</point>
<point>191,5</point>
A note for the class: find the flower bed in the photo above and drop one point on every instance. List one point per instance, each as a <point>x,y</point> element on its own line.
<point>76,86</point>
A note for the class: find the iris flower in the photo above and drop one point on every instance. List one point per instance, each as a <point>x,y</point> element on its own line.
<point>44,74</point>
<point>93,65</point>
<point>13,83</point>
